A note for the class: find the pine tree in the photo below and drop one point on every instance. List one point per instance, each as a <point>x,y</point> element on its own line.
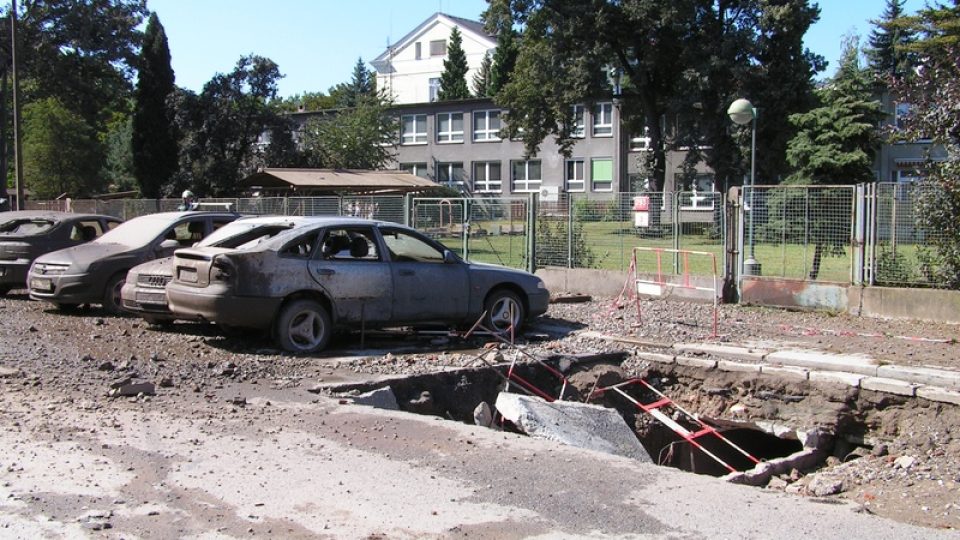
<point>481,80</point>
<point>504,60</point>
<point>362,84</point>
<point>453,80</point>
<point>890,41</point>
<point>154,137</point>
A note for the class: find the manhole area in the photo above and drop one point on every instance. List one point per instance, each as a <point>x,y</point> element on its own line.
<point>459,395</point>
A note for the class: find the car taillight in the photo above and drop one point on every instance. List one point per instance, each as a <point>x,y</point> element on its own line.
<point>221,270</point>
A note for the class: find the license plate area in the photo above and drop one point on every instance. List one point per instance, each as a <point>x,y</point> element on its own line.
<point>151,298</point>
<point>187,274</point>
<point>40,284</point>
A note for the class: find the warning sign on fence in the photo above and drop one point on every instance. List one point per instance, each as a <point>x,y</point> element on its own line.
<point>641,211</point>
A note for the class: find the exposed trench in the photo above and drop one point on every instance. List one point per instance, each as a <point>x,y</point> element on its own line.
<point>786,424</point>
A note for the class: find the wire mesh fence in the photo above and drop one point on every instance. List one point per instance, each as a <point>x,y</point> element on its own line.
<point>904,248</point>
<point>577,232</point>
<point>800,232</point>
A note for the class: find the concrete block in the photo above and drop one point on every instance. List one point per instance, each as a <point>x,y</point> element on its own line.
<point>726,351</point>
<point>841,377</point>
<point>727,365</point>
<point>656,358</point>
<point>825,361</point>
<point>701,363</point>
<point>381,398</point>
<point>890,386</point>
<point>922,375</point>
<point>935,393</point>
<point>577,424</point>
<point>786,372</point>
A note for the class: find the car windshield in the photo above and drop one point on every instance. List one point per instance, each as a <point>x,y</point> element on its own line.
<point>138,231</point>
<point>243,235</point>
<point>27,227</point>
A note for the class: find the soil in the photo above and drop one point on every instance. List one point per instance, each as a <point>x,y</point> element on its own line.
<point>912,474</point>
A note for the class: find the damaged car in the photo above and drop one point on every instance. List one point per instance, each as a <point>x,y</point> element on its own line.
<point>144,292</point>
<point>94,273</point>
<point>348,273</point>
<point>27,234</point>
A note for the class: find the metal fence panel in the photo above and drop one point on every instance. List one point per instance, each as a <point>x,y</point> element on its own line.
<point>904,251</point>
<point>800,232</point>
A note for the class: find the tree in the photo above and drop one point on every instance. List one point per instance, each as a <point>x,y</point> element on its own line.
<point>684,60</point>
<point>118,163</point>
<point>282,150</point>
<point>481,79</point>
<point>307,101</point>
<point>57,144</point>
<point>933,92</point>
<point>363,137</point>
<point>362,83</point>
<point>505,55</point>
<point>154,136</point>
<point>889,42</point>
<point>836,144</point>
<point>221,125</point>
<point>453,80</point>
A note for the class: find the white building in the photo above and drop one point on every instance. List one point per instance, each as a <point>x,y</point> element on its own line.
<point>410,69</point>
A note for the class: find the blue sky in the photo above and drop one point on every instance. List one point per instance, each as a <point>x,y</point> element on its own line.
<point>317,42</point>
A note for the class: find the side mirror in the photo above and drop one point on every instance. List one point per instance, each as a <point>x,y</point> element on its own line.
<point>449,257</point>
<point>168,245</point>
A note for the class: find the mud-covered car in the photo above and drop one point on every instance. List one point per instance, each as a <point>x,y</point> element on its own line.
<point>93,273</point>
<point>346,273</point>
<point>144,292</point>
<point>27,234</point>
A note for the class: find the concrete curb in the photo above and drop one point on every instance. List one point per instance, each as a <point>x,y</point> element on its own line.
<point>932,384</point>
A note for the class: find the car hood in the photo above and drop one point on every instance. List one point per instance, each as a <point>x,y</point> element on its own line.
<point>85,254</point>
<point>158,267</point>
<point>502,270</point>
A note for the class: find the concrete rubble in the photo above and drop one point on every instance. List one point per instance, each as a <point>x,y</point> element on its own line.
<point>577,424</point>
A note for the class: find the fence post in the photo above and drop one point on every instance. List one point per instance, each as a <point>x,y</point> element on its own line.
<point>570,231</point>
<point>675,227</point>
<point>532,210</point>
<point>859,233</point>
<point>465,226</point>
<point>731,244</point>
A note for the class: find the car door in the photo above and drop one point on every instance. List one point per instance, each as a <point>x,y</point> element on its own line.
<point>426,285</point>
<point>349,268</point>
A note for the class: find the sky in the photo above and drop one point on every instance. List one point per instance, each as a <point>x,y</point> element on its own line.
<point>317,42</point>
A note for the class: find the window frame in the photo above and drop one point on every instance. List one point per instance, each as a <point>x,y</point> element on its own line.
<point>579,125</point>
<point>483,183</point>
<point>414,168</point>
<point>594,181</point>
<point>489,134</point>
<point>450,167</point>
<point>568,181</point>
<point>433,43</point>
<point>602,124</point>
<point>450,135</point>
<point>415,137</point>
<point>527,181</point>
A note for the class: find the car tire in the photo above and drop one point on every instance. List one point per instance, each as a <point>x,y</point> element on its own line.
<point>499,305</point>
<point>111,302</point>
<point>303,326</point>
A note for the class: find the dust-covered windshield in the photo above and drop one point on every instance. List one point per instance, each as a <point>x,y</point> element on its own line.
<point>244,235</point>
<point>139,231</point>
<point>26,227</point>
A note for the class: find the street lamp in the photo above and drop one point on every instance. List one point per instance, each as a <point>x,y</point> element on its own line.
<point>742,112</point>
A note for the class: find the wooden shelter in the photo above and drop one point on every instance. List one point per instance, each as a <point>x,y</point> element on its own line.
<point>302,182</point>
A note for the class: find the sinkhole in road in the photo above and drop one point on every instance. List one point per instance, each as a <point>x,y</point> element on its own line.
<point>456,395</point>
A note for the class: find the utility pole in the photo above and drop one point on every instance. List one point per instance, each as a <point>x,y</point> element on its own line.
<point>17,150</point>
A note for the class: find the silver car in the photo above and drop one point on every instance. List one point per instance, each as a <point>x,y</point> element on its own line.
<point>144,292</point>
<point>347,273</point>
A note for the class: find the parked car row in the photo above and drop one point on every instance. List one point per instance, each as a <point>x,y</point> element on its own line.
<point>300,278</point>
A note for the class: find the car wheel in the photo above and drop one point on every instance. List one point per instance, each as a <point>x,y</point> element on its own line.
<point>112,302</point>
<point>499,306</point>
<point>303,326</point>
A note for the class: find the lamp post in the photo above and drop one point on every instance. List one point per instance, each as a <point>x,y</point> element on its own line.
<point>742,112</point>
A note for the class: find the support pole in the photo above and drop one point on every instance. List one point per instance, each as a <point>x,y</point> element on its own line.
<point>17,150</point>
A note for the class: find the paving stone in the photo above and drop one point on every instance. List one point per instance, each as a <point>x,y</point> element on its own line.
<point>890,386</point>
<point>656,358</point>
<point>6,372</point>
<point>702,363</point>
<point>381,398</point>
<point>842,377</point>
<point>824,361</point>
<point>727,365</point>
<point>727,351</point>
<point>936,393</point>
<point>577,424</point>
<point>128,389</point>
<point>922,375</point>
<point>787,372</point>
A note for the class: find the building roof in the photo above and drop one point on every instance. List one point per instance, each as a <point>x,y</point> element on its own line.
<point>467,25</point>
<point>358,181</point>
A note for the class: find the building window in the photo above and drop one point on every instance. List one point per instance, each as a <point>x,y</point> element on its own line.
<point>416,51</point>
<point>578,127</point>
<point>696,192</point>
<point>639,144</point>
<point>416,169</point>
<point>450,174</point>
<point>574,176</point>
<point>413,129</point>
<point>526,176</point>
<point>486,125</point>
<point>438,47</point>
<point>601,174</point>
<point>603,120</point>
<point>486,177</point>
<point>434,90</point>
<point>449,127</point>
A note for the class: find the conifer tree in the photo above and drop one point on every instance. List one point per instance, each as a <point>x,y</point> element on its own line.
<point>889,43</point>
<point>481,80</point>
<point>453,80</point>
